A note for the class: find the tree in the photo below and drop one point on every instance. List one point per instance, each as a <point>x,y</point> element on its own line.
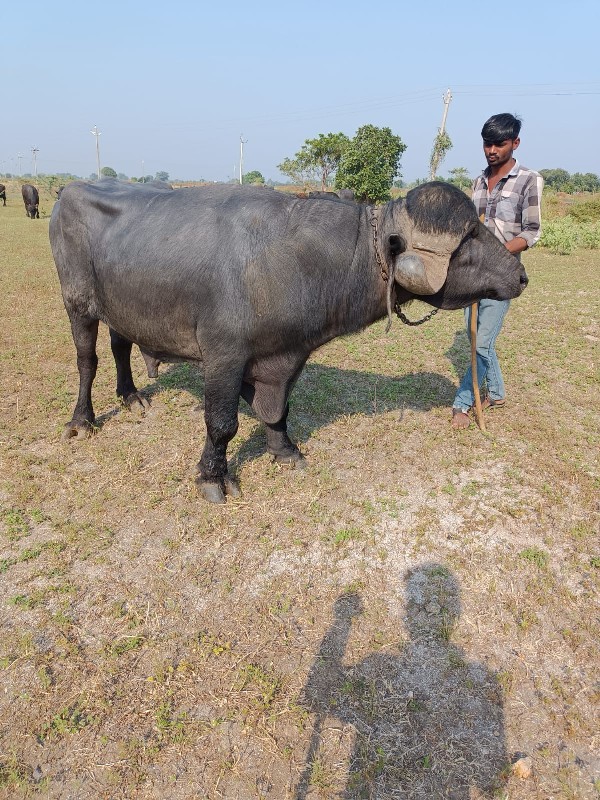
<point>161,176</point>
<point>317,159</point>
<point>253,177</point>
<point>459,176</point>
<point>557,179</point>
<point>441,144</point>
<point>587,182</point>
<point>370,163</point>
<point>108,172</point>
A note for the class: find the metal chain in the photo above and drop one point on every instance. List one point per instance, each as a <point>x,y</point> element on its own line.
<point>378,256</point>
<point>406,321</point>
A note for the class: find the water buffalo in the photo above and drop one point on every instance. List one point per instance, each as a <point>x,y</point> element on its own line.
<point>3,193</point>
<point>31,198</point>
<point>250,282</point>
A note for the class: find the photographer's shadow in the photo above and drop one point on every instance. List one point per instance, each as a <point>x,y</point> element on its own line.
<point>428,723</point>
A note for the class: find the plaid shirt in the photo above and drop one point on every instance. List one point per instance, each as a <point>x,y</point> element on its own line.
<point>513,208</point>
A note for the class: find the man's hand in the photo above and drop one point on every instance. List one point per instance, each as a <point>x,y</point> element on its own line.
<point>516,245</point>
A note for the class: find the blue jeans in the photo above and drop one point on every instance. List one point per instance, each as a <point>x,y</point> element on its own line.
<point>489,324</point>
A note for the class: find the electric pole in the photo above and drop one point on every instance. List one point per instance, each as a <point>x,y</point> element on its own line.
<point>442,142</point>
<point>35,151</point>
<point>97,134</point>
<point>20,156</point>
<point>242,143</point>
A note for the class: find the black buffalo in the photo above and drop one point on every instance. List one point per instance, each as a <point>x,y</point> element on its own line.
<point>250,282</point>
<point>339,194</point>
<point>3,193</point>
<point>31,198</point>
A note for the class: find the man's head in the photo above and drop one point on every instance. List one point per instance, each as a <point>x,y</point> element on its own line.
<point>500,136</point>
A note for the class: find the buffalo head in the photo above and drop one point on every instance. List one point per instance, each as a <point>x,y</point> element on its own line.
<point>440,251</point>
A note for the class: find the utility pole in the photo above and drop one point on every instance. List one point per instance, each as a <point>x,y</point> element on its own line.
<point>97,134</point>
<point>439,151</point>
<point>35,151</point>
<point>242,143</point>
<point>20,156</point>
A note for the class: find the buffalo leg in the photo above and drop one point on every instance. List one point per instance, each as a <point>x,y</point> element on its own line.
<point>221,397</point>
<point>126,389</point>
<point>85,333</point>
<point>279,444</point>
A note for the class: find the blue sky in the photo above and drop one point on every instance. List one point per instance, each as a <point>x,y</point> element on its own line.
<point>173,85</point>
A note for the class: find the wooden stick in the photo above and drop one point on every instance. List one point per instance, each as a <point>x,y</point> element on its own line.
<point>478,411</point>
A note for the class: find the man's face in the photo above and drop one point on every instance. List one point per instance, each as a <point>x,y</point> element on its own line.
<point>499,153</point>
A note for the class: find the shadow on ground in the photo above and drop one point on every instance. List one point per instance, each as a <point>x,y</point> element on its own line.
<point>321,396</point>
<point>428,722</point>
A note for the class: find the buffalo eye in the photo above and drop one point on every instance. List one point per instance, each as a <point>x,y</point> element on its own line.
<point>397,244</point>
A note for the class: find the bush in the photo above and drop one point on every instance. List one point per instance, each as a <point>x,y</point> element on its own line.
<point>588,211</point>
<point>562,236</point>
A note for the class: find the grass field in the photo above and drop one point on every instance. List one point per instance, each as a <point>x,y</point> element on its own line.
<point>406,618</point>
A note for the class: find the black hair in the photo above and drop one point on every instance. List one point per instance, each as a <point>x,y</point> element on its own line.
<point>501,127</point>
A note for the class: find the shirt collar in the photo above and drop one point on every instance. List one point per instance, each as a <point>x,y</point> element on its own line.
<point>514,171</point>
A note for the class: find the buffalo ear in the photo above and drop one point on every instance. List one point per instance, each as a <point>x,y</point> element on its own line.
<point>397,244</point>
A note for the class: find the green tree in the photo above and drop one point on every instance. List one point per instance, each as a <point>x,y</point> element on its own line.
<point>441,145</point>
<point>161,176</point>
<point>370,163</point>
<point>108,172</point>
<point>557,179</point>
<point>253,177</point>
<point>459,176</point>
<point>317,159</point>
<point>587,182</point>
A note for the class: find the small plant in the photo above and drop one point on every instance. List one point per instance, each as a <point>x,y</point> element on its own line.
<point>69,720</point>
<point>535,556</point>
<point>16,524</point>
<point>118,648</point>
<point>266,684</point>
<point>170,726</point>
<point>319,775</point>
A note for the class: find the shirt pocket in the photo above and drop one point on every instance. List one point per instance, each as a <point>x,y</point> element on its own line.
<point>509,207</point>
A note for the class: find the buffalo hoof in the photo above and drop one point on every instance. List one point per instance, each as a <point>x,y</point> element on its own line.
<point>232,487</point>
<point>77,430</point>
<point>214,492</point>
<point>295,460</point>
<point>136,402</point>
<point>211,491</point>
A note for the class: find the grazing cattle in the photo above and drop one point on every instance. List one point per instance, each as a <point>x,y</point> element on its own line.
<point>3,193</point>
<point>31,198</point>
<point>323,195</point>
<point>340,194</point>
<point>250,282</point>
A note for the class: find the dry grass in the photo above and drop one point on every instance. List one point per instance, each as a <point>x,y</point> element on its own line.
<point>401,619</point>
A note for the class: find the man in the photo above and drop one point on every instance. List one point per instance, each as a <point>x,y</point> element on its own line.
<point>507,197</point>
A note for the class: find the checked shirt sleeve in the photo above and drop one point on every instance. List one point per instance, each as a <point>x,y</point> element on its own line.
<point>531,215</point>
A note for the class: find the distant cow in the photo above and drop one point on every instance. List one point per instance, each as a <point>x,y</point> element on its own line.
<point>250,282</point>
<point>339,194</point>
<point>31,198</point>
<point>3,193</point>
